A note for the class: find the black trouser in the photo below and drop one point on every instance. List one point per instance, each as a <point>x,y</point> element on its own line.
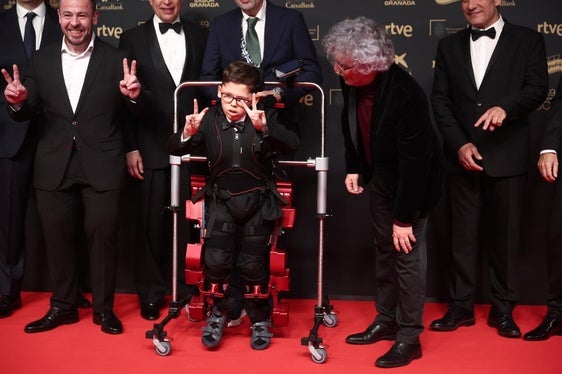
<point>15,176</point>
<point>248,236</point>
<point>59,211</point>
<point>401,277</point>
<point>473,195</point>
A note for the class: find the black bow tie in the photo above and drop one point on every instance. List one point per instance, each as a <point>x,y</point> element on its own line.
<point>176,26</point>
<point>490,33</point>
<point>225,124</point>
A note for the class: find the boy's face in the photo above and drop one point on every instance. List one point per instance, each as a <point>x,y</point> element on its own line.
<point>232,95</point>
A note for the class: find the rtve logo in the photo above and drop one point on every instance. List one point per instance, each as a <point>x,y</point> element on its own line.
<point>404,30</point>
<point>109,31</point>
<point>550,29</point>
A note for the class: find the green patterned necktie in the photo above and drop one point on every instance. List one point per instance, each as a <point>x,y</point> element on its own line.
<point>252,41</point>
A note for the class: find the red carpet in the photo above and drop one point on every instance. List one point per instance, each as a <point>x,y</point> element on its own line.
<point>83,348</point>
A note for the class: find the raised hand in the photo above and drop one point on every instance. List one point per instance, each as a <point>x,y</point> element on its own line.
<point>130,85</point>
<point>257,116</point>
<point>15,92</point>
<point>193,121</point>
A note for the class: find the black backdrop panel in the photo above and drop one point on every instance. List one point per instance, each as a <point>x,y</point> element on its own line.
<point>416,27</point>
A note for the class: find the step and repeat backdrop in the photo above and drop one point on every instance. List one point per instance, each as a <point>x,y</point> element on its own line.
<point>416,27</point>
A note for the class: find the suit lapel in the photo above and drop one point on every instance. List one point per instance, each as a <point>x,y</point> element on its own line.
<point>17,42</point>
<point>274,26</point>
<point>466,57</point>
<point>189,53</point>
<point>93,66</point>
<point>500,47</point>
<point>156,53</point>
<point>51,30</point>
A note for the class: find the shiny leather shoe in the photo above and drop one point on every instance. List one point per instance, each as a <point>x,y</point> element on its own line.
<point>109,322</point>
<point>54,318</point>
<point>8,306</point>
<point>548,327</point>
<point>400,354</point>
<point>150,311</point>
<point>504,323</point>
<point>373,334</point>
<point>453,319</point>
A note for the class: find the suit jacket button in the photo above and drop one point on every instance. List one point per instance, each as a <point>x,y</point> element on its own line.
<point>478,104</point>
<point>74,123</point>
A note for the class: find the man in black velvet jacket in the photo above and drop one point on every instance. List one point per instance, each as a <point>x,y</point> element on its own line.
<point>391,144</point>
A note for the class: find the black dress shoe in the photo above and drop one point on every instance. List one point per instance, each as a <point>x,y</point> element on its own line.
<point>453,319</point>
<point>83,303</point>
<point>150,311</point>
<point>400,354</point>
<point>8,305</point>
<point>109,322</point>
<point>504,323</point>
<point>548,327</point>
<point>54,318</point>
<point>374,333</point>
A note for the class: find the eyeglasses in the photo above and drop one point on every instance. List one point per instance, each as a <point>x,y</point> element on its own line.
<point>228,98</point>
<point>340,69</point>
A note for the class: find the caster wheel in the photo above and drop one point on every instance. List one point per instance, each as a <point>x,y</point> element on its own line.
<point>165,348</point>
<point>319,356</point>
<point>330,320</point>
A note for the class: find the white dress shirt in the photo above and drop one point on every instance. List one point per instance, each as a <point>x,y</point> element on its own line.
<point>74,69</point>
<point>173,49</point>
<point>481,51</point>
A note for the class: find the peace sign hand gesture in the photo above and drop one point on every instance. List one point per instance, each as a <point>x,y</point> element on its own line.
<point>193,121</point>
<point>15,92</point>
<point>130,85</point>
<point>257,117</point>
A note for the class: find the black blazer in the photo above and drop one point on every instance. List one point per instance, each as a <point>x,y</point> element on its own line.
<point>96,125</point>
<point>12,134</point>
<point>155,106</point>
<point>516,80</point>
<point>404,147</point>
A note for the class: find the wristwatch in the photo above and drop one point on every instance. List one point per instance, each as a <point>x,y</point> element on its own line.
<point>278,92</point>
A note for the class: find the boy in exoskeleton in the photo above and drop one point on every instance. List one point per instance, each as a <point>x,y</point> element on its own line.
<point>242,203</point>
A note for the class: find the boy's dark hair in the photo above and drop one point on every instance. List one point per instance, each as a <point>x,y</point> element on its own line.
<point>241,72</point>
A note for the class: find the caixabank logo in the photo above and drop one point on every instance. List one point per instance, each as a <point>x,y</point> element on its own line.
<point>110,5</point>
<point>203,4</point>
<point>300,4</point>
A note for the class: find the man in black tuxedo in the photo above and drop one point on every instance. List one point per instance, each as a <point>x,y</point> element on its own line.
<point>488,78</point>
<point>168,50</point>
<point>18,142</point>
<point>75,88</point>
<point>548,165</point>
<point>391,152</point>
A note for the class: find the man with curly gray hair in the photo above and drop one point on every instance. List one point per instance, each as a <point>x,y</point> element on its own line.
<point>391,150</point>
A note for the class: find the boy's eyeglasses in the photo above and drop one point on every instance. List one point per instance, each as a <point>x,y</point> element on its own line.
<point>228,98</point>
